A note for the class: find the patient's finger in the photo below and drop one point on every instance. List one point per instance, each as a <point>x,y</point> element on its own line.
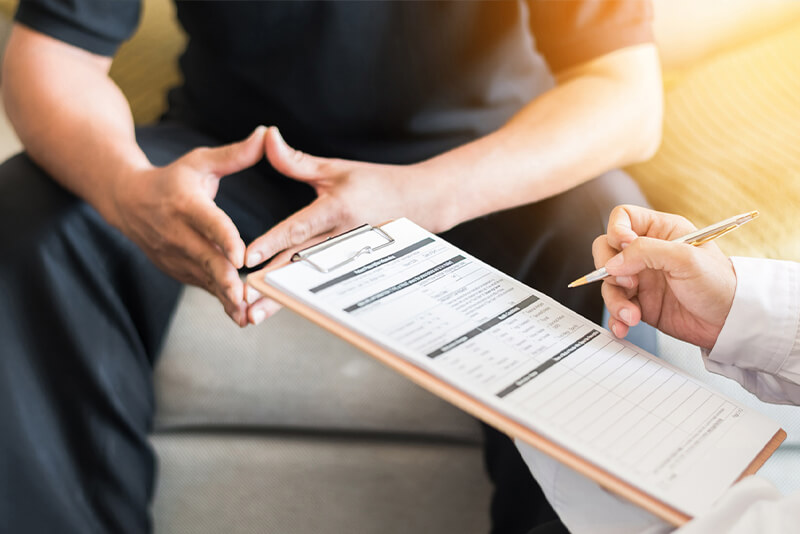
<point>262,309</point>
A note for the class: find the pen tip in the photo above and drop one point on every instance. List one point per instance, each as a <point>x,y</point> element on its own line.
<point>579,282</point>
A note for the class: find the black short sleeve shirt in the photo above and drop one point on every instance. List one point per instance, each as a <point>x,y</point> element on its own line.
<point>379,81</point>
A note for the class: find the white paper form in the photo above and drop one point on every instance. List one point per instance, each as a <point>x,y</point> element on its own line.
<point>537,362</point>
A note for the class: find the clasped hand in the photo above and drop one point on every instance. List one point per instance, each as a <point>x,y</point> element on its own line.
<point>169,212</point>
<point>682,290</point>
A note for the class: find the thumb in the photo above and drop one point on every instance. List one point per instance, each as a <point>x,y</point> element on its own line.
<point>235,157</point>
<point>656,254</point>
<point>294,163</point>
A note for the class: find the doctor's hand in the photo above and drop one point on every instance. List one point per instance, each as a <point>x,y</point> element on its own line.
<point>682,290</point>
<point>170,213</point>
<point>349,194</point>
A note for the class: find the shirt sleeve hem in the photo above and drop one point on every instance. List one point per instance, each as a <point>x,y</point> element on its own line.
<point>597,42</point>
<point>50,24</point>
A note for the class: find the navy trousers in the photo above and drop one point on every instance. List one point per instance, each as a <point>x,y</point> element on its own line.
<point>84,314</point>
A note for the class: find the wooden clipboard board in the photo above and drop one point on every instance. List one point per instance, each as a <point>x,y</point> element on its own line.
<point>473,406</point>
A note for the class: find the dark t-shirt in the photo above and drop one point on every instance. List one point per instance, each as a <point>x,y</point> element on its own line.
<point>376,81</point>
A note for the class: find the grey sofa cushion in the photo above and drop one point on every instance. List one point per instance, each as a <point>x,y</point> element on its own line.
<point>286,373</point>
<point>245,484</point>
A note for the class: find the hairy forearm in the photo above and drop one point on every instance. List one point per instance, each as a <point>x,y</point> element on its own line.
<point>71,118</point>
<point>602,115</point>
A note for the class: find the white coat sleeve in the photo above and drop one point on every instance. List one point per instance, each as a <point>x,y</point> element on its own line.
<point>759,345</point>
<point>752,506</point>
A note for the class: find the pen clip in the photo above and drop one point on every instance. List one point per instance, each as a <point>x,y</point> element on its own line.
<point>701,240</point>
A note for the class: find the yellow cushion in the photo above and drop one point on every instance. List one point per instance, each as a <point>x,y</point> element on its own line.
<point>732,144</point>
<point>146,66</point>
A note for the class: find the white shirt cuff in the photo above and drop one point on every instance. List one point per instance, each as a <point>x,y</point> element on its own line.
<point>762,326</point>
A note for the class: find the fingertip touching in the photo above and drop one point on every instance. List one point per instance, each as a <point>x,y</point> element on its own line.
<point>235,157</point>
<point>288,160</point>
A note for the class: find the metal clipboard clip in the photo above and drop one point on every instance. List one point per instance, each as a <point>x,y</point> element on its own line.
<point>344,248</point>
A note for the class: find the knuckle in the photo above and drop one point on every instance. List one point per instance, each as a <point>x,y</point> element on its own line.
<point>683,222</point>
<point>226,290</point>
<point>208,265</point>
<point>299,232</point>
<point>329,166</point>
<point>198,154</point>
<point>298,156</point>
<point>689,257</point>
<point>637,246</point>
<point>599,243</point>
<point>158,243</point>
<point>343,211</point>
<point>234,153</point>
<point>181,203</point>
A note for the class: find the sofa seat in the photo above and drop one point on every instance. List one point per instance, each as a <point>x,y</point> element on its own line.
<point>287,374</point>
<point>285,428</point>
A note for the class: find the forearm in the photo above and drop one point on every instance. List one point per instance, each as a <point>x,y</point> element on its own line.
<point>71,118</point>
<point>603,115</point>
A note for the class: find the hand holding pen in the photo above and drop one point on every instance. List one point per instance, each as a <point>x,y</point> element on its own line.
<point>651,274</point>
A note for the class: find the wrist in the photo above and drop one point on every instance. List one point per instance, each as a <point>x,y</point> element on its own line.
<point>123,183</point>
<point>448,202</point>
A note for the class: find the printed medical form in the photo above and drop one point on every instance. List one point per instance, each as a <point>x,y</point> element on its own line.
<point>540,364</point>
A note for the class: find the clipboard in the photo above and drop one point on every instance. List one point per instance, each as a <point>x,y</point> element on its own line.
<point>341,250</point>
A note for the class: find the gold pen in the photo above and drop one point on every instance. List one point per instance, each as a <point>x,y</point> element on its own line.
<point>704,235</point>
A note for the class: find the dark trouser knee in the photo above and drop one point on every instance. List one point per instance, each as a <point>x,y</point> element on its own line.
<point>78,344</point>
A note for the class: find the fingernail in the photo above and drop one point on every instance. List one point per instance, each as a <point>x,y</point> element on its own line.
<point>272,307</point>
<point>615,329</point>
<point>235,257</point>
<point>625,315</point>
<point>616,261</point>
<point>625,281</point>
<point>252,294</point>
<point>624,245</point>
<point>254,258</point>
<point>257,316</point>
